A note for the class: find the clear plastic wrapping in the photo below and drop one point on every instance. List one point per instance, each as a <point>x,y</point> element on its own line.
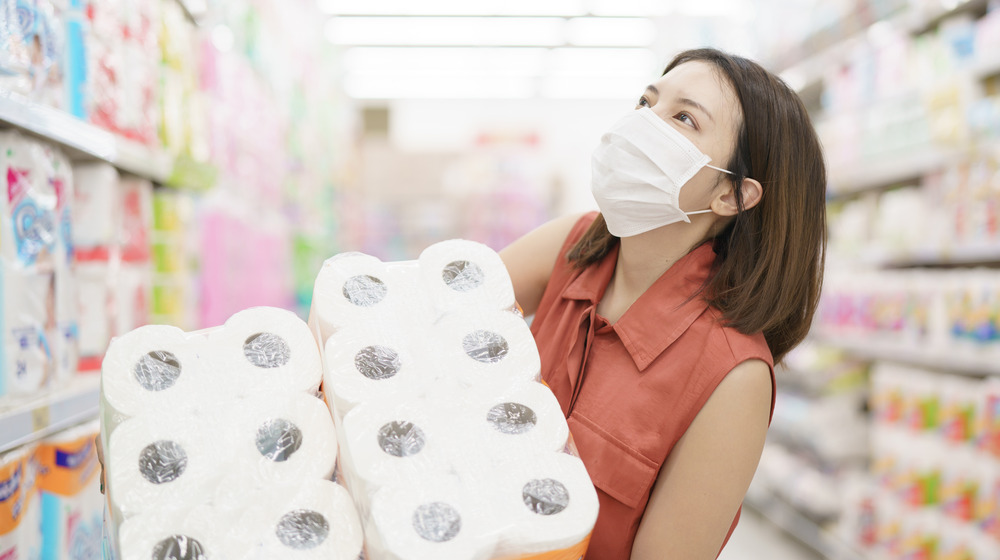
<point>217,444</point>
<point>450,445</point>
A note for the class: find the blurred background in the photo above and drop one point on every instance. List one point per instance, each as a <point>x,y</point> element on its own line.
<point>176,161</point>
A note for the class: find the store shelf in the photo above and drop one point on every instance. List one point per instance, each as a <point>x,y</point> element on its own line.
<point>194,9</point>
<point>952,362</point>
<point>885,172</point>
<point>35,418</point>
<point>82,139</point>
<point>803,529</point>
<point>958,256</point>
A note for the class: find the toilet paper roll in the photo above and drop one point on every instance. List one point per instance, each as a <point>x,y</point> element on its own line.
<point>312,519</point>
<point>366,364</point>
<point>284,439</point>
<point>27,329</point>
<point>525,418</point>
<point>96,195</point>
<point>430,519</point>
<point>194,533</point>
<point>547,502</point>
<point>159,368</point>
<point>460,274</point>
<point>357,289</point>
<point>265,350</point>
<point>489,348</point>
<point>392,442</point>
<point>158,464</point>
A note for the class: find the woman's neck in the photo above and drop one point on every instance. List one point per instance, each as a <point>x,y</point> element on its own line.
<point>642,259</point>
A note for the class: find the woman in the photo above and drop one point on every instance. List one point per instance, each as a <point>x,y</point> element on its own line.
<point>659,328</point>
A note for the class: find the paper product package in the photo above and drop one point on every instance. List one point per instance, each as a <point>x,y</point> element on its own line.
<point>20,520</point>
<point>217,442</point>
<point>28,260</point>
<point>72,506</point>
<point>449,443</point>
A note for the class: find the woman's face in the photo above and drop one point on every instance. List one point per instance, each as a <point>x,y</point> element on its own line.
<point>698,101</point>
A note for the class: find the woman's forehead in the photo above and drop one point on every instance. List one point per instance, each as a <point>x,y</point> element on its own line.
<point>702,82</point>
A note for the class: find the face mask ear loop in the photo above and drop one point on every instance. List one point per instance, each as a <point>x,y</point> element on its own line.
<point>720,169</point>
<point>698,212</point>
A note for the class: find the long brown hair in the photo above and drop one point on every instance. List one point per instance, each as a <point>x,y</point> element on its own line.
<point>769,260</point>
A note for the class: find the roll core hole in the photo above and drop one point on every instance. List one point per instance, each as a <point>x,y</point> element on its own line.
<point>462,276</point>
<point>179,547</point>
<point>162,461</point>
<point>266,350</point>
<point>485,346</point>
<point>377,362</point>
<point>278,439</point>
<point>157,370</point>
<point>401,439</point>
<point>303,529</point>
<point>512,418</point>
<point>545,496</point>
<point>437,522</point>
<point>364,290</point>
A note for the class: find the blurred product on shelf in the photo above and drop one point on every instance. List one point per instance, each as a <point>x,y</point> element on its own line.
<point>935,489</point>
<point>112,229</point>
<point>72,506</point>
<point>38,314</point>
<point>20,511</point>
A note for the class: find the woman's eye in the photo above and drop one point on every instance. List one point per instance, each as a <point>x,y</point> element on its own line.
<point>643,102</point>
<point>686,119</point>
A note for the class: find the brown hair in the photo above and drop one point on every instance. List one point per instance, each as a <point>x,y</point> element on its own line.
<point>769,260</point>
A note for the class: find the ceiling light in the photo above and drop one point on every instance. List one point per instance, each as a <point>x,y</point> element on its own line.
<point>438,61</point>
<point>486,31</point>
<point>625,32</point>
<point>438,87</point>
<point>603,62</point>
<point>563,8</point>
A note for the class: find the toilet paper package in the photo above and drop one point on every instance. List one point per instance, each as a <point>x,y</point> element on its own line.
<point>71,501</point>
<point>186,533</point>
<point>18,507</point>
<point>449,444</point>
<point>66,343</point>
<point>27,328</point>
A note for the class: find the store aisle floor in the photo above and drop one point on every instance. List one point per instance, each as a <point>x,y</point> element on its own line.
<point>757,539</point>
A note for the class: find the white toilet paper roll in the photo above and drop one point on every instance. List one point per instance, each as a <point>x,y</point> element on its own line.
<point>161,368</point>
<point>547,502</point>
<point>282,439</point>
<point>525,418</point>
<point>313,519</point>
<point>266,350</point>
<point>156,463</point>
<point>430,519</point>
<point>494,347</point>
<point>460,274</point>
<point>358,289</point>
<point>193,533</point>
<point>392,442</point>
<point>371,364</point>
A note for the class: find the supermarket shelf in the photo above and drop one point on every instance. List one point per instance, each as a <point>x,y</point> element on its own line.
<point>803,529</point>
<point>889,171</point>
<point>953,362</point>
<point>194,9</point>
<point>83,139</point>
<point>964,256</point>
<point>36,418</point>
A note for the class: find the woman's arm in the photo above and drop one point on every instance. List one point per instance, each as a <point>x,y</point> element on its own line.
<point>703,482</point>
<point>530,260</point>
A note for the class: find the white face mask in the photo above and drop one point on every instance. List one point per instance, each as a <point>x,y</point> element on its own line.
<point>638,171</point>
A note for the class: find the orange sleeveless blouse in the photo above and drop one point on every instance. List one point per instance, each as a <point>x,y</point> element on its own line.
<point>630,390</point>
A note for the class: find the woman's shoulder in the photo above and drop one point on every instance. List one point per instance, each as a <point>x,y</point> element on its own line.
<point>735,345</point>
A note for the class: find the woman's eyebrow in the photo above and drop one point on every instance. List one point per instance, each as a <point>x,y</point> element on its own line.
<point>696,105</point>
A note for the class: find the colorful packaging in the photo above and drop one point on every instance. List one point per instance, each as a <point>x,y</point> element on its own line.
<point>71,501</point>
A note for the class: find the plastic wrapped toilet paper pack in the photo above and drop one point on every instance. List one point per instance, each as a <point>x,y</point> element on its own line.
<point>264,350</point>
<point>486,348</point>
<point>459,274</point>
<point>195,533</point>
<point>312,520</point>
<point>523,419</point>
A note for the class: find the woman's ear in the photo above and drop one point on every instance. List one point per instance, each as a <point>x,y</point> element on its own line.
<point>725,203</point>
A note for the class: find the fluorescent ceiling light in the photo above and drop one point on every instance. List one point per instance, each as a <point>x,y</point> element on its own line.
<point>438,87</point>
<point>444,61</point>
<point>603,62</point>
<point>635,8</point>
<point>564,8</point>
<point>536,31</point>
<point>595,31</point>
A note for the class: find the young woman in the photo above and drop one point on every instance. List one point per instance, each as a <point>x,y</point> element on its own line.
<point>660,319</point>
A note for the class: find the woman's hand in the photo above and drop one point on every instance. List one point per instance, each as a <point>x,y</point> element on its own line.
<point>100,458</point>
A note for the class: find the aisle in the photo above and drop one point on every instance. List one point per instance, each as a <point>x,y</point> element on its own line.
<point>757,539</point>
